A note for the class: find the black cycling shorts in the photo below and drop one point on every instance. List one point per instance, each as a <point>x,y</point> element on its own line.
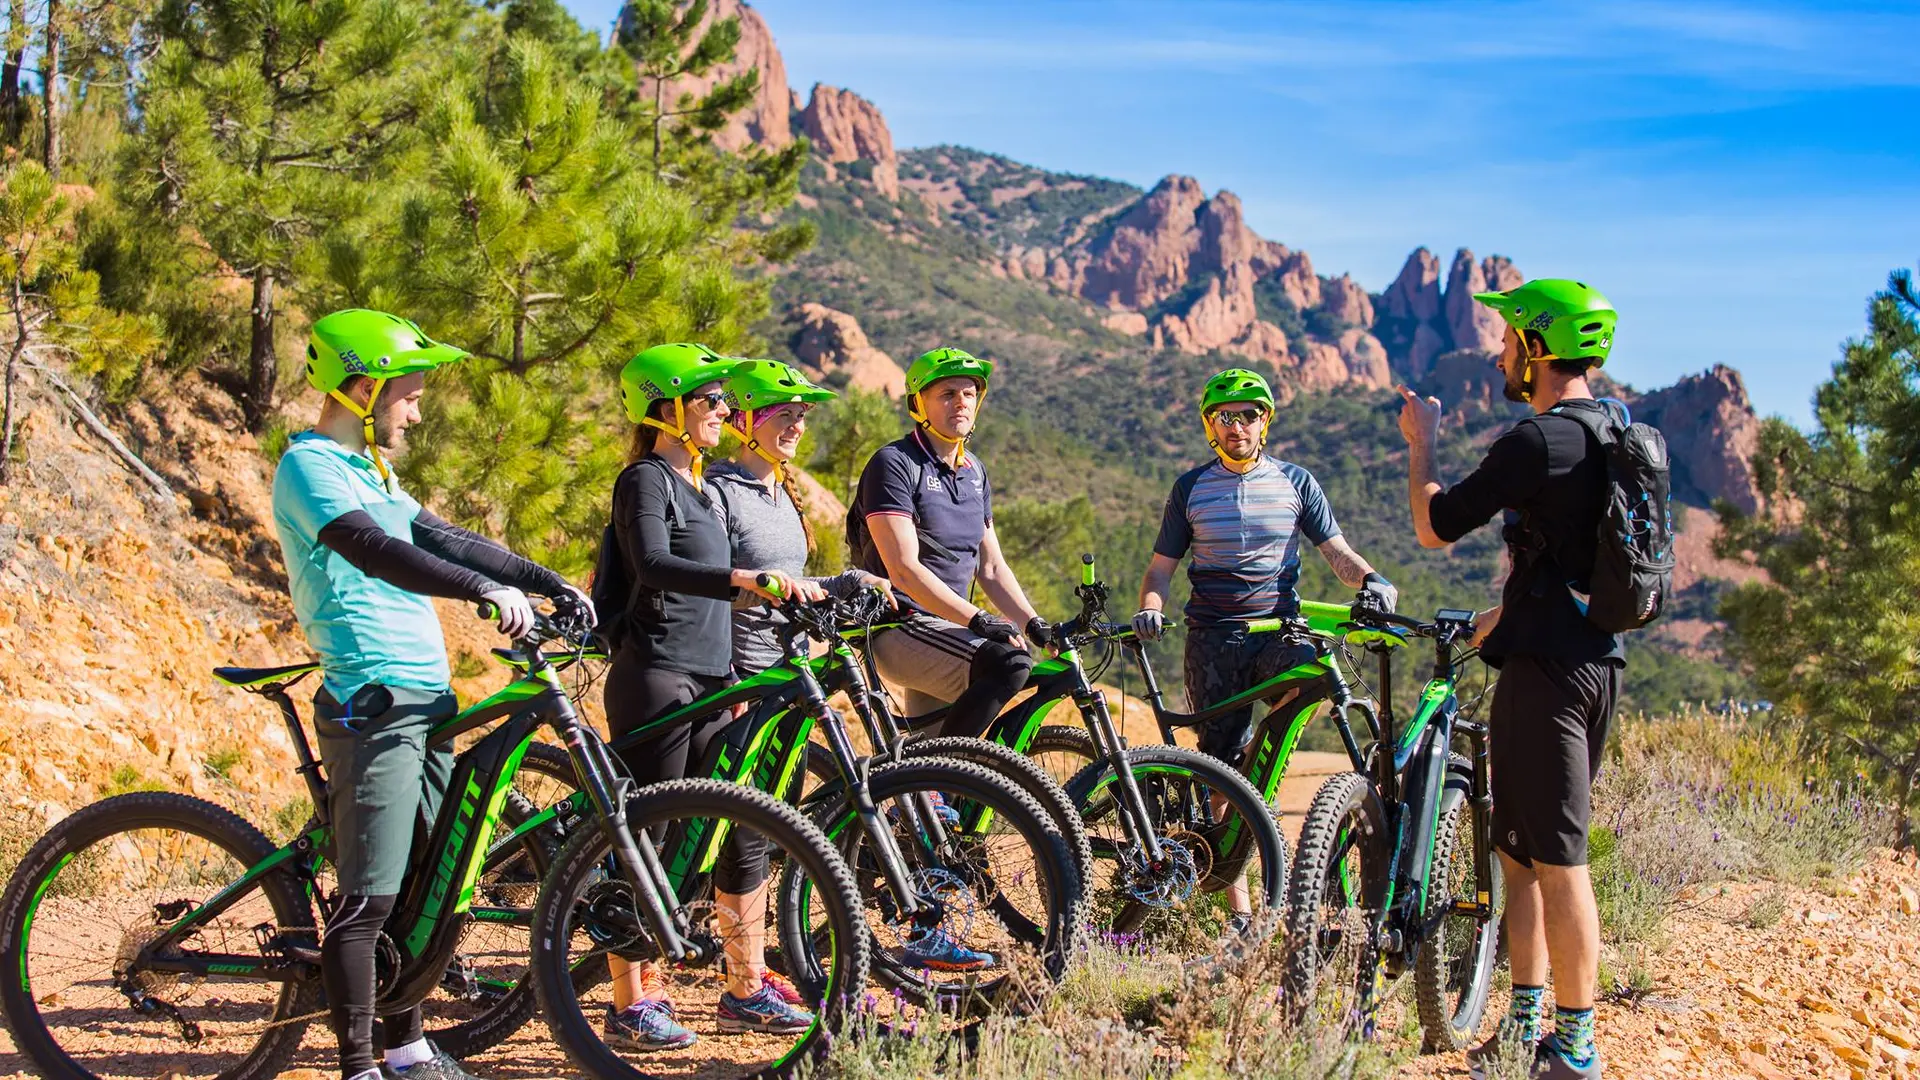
<point>1547,731</point>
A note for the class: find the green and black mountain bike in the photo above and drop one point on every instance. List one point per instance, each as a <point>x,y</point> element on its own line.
<point>1000,880</point>
<point>1395,867</point>
<point>1173,833</point>
<point>157,932</point>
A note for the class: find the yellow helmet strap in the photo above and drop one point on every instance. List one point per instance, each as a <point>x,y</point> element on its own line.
<point>366,428</point>
<point>918,413</point>
<point>1228,461</point>
<point>746,436</point>
<point>678,429</point>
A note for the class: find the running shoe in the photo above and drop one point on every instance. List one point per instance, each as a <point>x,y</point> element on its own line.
<point>647,1025</point>
<point>440,1066</point>
<point>764,1012</point>
<point>935,950</point>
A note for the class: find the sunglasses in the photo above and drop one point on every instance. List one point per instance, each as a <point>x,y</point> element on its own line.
<point>713,399</point>
<point>1238,417</point>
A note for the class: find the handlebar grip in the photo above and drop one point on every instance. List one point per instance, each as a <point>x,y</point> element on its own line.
<point>1086,568</point>
<point>487,610</point>
<point>765,581</point>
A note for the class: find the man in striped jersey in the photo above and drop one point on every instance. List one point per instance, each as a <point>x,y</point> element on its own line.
<point>1242,518</point>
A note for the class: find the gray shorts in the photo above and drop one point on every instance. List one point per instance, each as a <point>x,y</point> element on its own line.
<point>381,778</point>
<point>930,657</point>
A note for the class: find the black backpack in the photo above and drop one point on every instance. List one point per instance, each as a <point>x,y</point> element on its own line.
<point>1632,574</point>
<point>616,592</point>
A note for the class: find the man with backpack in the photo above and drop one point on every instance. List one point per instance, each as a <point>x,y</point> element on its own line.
<point>1585,492</point>
<point>923,519</point>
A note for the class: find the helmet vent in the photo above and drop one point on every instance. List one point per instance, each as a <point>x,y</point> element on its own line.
<point>312,353</point>
<point>1590,328</point>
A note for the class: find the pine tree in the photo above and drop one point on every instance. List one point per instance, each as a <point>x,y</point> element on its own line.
<point>1833,636</point>
<point>52,304</point>
<point>262,125</point>
<point>531,239</point>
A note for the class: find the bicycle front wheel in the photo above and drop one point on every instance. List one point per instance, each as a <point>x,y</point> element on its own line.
<point>88,994</point>
<point>1339,882</point>
<point>1454,972</point>
<point>587,918</point>
<point>1222,874</point>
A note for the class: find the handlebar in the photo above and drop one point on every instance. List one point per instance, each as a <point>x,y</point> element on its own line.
<point>560,626</point>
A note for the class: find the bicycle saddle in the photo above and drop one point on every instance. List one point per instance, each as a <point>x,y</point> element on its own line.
<point>249,678</point>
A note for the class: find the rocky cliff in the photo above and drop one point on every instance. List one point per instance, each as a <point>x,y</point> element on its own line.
<point>1711,432</point>
<point>846,128</point>
<point>767,121</point>
<point>833,350</point>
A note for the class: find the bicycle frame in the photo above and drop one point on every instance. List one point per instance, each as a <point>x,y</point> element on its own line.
<point>1409,770</point>
<point>437,894</point>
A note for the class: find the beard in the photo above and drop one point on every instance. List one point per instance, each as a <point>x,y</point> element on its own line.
<point>1514,389</point>
<point>388,436</point>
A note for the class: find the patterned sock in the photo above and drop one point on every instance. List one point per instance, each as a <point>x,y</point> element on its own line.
<point>1523,1013</point>
<point>1573,1035</point>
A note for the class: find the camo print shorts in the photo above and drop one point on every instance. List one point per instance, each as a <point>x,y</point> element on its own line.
<point>1223,660</point>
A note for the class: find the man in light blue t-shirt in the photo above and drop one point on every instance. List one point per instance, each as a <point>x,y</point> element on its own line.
<point>363,558</point>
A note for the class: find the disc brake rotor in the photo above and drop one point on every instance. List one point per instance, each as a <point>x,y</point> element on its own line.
<point>1179,872</point>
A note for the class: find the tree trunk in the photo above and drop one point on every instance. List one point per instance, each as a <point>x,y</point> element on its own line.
<point>13,361</point>
<point>11,113</point>
<point>263,361</point>
<point>50,83</point>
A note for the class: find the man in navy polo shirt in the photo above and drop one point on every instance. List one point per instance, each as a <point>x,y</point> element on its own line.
<point>926,505</point>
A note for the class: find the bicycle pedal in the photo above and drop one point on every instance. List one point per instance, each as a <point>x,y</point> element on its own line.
<point>1472,909</point>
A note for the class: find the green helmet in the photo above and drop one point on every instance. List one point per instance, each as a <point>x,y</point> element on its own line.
<point>945,363</point>
<point>358,341</point>
<point>665,372</point>
<point>1572,317</point>
<point>760,384</point>
<point>1235,384</point>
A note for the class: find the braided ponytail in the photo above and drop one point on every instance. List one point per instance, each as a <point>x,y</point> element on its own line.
<point>792,489</point>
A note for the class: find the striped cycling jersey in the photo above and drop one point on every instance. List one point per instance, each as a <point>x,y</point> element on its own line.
<point>1243,531</point>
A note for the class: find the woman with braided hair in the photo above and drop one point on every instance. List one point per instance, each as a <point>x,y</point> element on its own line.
<point>766,523</point>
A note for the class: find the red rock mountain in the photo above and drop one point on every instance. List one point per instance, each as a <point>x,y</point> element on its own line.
<point>846,127</point>
<point>1183,270</point>
<point>767,120</point>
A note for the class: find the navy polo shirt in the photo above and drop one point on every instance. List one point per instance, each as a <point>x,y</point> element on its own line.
<point>950,507</point>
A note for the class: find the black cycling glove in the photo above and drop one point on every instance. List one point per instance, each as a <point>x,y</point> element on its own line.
<point>992,627</point>
<point>1039,632</point>
<point>1378,593</point>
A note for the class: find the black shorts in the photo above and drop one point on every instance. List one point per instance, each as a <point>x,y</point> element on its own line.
<point>1547,730</point>
<point>1224,660</point>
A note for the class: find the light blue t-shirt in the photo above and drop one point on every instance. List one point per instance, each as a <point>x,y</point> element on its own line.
<point>364,629</point>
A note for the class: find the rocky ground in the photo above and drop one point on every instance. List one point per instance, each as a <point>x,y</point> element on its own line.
<point>1830,989</point>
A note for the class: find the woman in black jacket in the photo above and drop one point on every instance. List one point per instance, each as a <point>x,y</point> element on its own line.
<point>676,647</point>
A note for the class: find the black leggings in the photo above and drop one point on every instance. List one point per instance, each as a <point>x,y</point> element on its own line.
<point>636,694</point>
<point>996,673</point>
<point>346,971</point>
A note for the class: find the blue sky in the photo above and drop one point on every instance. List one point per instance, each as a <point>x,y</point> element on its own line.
<point>1737,178</point>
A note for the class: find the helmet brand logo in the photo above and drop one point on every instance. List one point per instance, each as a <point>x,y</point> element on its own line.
<point>350,362</point>
<point>1541,321</point>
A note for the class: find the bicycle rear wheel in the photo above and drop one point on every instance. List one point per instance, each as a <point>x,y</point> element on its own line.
<point>1004,885</point>
<point>85,996</point>
<point>1454,972</point>
<point>1223,874</point>
<point>1339,874</point>
<point>587,914</point>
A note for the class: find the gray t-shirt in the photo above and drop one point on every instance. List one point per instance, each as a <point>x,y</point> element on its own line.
<point>764,529</point>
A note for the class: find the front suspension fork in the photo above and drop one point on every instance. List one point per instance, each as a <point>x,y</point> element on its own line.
<point>1135,823</point>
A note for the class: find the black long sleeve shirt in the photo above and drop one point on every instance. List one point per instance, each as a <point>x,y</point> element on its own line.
<point>443,559</point>
<point>675,540</point>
